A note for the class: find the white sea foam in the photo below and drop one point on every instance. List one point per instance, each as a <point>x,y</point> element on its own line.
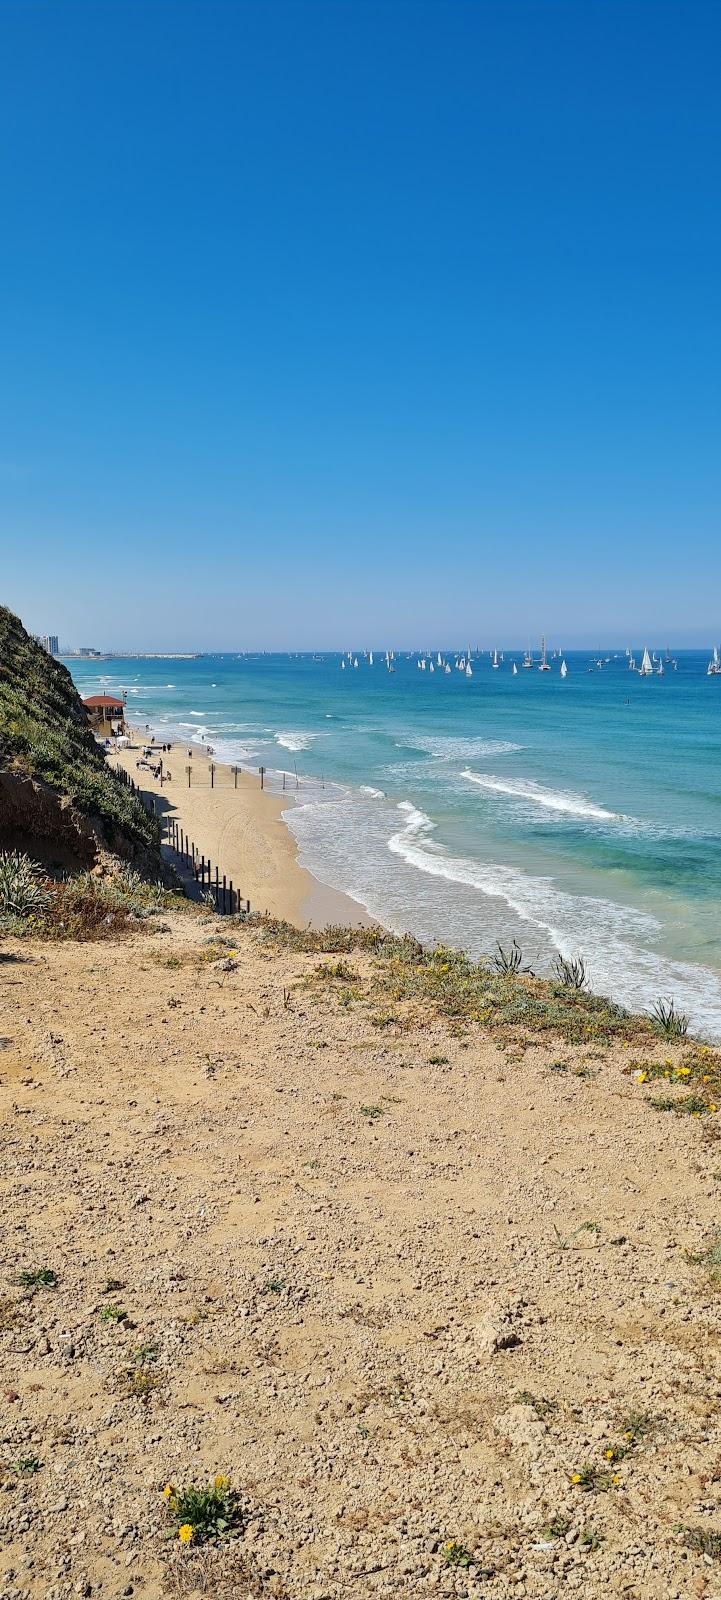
<point>386,856</point>
<point>295,740</point>
<point>373,794</point>
<point>446,747</point>
<point>573,805</point>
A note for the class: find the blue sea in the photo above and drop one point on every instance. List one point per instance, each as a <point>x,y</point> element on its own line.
<point>578,815</point>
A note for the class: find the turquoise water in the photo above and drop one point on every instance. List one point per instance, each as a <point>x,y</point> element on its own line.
<point>577,815</point>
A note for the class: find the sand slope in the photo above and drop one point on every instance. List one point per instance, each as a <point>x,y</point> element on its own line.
<point>343,1305</point>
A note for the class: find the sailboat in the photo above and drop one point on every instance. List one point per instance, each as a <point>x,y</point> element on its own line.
<point>645,669</point>
<point>342,666</point>
<point>527,659</point>
<point>447,667</point>
<point>543,665</point>
<point>713,669</point>
<point>431,667</point>
<point>469,670</point>
<point>439,662</point>
<point>659,669</point>
<point>370,659</point>
<point>514,670</point>
<point>564,670</point>
<point>355,661</point>
<point>494,662</point>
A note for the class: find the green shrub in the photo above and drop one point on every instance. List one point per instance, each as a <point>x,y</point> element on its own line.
<point>23,885</point>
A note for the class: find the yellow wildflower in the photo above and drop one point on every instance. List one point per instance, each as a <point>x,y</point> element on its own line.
<point>576,1477</point>
<point>220,1482</point>
<point>642,1076</point>
<point>668,1062</point>
<point>706,1077</point>
<point>616,1478</point>
<point>683,1072</point>
<point>168,1491</point>
<point>609,1454</point>
<point>713,1108</point>
<point>185,1533</point>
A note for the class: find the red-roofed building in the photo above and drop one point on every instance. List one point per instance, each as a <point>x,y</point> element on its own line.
<point>106,713</point>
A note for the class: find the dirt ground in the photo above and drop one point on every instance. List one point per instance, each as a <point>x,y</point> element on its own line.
<point>401,1284</point>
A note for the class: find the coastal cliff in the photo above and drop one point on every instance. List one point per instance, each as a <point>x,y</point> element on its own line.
<point>59,799</point>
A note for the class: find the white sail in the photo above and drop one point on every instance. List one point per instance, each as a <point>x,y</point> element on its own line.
<point>564,670</point>
<point>446,668</point>
<point>495,659</point>
<point>469,670</point>
<point>370,659</point>
<point>514,670</point>
<point>645,668</point>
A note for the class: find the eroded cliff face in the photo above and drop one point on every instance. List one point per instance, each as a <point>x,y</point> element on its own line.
<point>51,829</point>
<point>46,825</point>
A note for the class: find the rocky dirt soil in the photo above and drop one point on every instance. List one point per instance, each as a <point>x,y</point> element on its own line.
<point>441,1308</point>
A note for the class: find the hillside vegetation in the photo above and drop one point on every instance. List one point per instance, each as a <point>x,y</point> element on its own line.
<point>44,736</point>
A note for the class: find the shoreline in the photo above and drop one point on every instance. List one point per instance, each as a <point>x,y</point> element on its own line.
<point>243,829</point>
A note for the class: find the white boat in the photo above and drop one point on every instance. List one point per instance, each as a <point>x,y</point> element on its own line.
<point>370,659</point>
<point>342,666</point>
<point>495,662</point>
<point>447,667</point>
<point>564,670</point>
<point>659,670</point>
<point>431,667</point>
<point>543,665</point>
<point>527,659</point>
<point>514,670</point>
<point>713,669</point>
<point>645,669</point>
<point>355,661</point>
<point>469,670</point>
<point>439,662</point>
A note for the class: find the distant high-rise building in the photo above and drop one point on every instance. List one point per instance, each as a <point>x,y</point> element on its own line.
<point>49,642</point>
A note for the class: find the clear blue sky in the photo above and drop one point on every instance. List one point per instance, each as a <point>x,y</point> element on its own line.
<point>326,323</point>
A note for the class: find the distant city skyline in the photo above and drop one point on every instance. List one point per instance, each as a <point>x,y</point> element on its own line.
<point>330,324</point>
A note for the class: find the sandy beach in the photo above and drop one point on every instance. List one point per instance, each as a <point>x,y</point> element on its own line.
<point>241,828</point>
